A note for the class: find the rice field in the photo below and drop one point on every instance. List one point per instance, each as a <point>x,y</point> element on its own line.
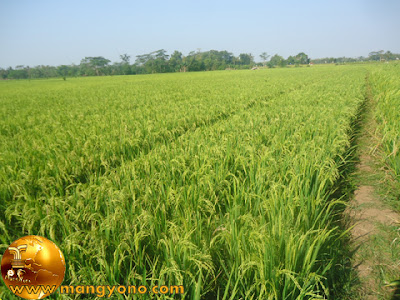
<point>223,182</point>
<point>386,89</point>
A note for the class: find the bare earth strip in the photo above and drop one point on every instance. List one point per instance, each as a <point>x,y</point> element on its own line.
<point>371,219</point>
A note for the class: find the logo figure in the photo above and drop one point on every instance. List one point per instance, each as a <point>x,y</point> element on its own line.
<point>33,267</point>
<point>16,251</point>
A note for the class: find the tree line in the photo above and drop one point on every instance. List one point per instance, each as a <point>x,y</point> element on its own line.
<point>160,62</point>
<point>373,56</point>
<point>155,62</point>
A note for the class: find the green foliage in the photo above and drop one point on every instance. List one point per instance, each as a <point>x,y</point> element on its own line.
<point>219,181</point>
<point>299,59</point>
<point>63,71</point>
<point>159,62</point>
<point>245,59</point>
<point>276,60</point>
<point>264,56</point>
<point>94,65</point>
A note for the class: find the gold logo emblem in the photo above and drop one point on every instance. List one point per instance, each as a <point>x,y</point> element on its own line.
<point>33,267</point>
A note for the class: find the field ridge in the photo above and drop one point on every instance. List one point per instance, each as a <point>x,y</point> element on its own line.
<point>369,218</point>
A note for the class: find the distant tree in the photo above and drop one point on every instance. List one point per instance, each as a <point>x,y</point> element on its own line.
<point>18,74</point>
<point>176,61</point>
<point>63,71</point>
<point>160,60</point>
<point>389,56</point>
<point>3,73</point>
<point>97,64</point>
<point>142,59</point>
<point>193,62</point>
<point>73,70</point>
<point>154,62</point>
<point>161,54</point>
<point>246,59</point>
<point>123,67</point>
<point>291,60</point>
<point>302,58</point>
<point>227,57</point>
<point>276,60</point>
<point>125,58</point>
<point>264,56</point>
<point>376,55</point>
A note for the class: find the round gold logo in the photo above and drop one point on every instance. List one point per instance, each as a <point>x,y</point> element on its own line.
<point>33,267</point>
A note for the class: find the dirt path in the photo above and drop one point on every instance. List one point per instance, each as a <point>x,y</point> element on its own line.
<point>375,226</point>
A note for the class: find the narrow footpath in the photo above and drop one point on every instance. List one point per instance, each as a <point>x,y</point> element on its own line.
<point>375,235</point>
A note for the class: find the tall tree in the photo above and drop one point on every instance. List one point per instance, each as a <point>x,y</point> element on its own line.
<point>63,71</point>
<point>95,63</point>
<point>160,60</point>
<point>193,62</point>
<point>175,61</point>
<point>264,56</point>
<point>124,66</point>
<point>302,58</point>
<point>376,55</point>
<point>125,58</point>
<point>276,60</point>
<point>246,59</point>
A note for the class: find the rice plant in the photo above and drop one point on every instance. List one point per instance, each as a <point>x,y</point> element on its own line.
<point>385,84</point>
<point>221,182</point>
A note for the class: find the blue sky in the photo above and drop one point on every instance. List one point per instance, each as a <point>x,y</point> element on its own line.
<point>63,32</point>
